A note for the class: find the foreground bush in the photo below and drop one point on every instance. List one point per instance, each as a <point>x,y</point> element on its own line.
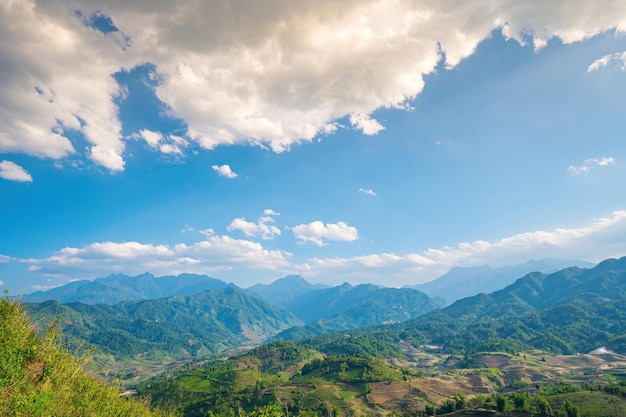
<point>40,378</point>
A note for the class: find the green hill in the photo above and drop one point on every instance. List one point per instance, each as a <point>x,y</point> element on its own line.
<point>346,307</point>
<point>569,311</point>
<point>170,328</point>
<point>39,378</point>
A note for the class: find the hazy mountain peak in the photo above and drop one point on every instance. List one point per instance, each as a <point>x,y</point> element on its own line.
<point>462,282</point>
<point>120,287</point>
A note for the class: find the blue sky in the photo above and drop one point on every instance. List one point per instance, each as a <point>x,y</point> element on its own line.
<point>361,141</point>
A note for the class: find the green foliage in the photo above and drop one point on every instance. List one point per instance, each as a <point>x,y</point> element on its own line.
<point>175,327</point>
<point>39,378</point>
<point>352,369</point>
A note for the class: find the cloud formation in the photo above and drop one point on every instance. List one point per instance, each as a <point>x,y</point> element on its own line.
<point>13,172</point>
<point>273,75</point>
<point>365,124</point>
<point>215,253</point>
<point>171,144</point>
<point>599,240</point>
<point>263,227</point>
<point>367,191</point>
<point>588,165</point>
<point>224,171</point>
<point>316,232</point>
<point>617,60</point>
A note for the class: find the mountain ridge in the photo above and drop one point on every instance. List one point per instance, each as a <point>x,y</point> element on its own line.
<point>120,287</point>
<point>463,282</point>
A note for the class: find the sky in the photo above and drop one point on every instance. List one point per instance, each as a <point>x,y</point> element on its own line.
<point>344,141</point>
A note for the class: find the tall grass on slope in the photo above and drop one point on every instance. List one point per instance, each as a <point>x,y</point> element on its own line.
<point>40,378</point>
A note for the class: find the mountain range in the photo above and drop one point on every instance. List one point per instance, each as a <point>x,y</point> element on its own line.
<point>225,316</point>
<point>175,327</point>
<point>462,282</point>
<point>120,287</point>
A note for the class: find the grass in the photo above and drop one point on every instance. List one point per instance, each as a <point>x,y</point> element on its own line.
<point>591,403</point>
<point>39,378</point>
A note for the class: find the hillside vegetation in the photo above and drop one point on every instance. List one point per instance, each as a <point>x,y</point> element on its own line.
<point>39,378</point>
<point>171,328</point>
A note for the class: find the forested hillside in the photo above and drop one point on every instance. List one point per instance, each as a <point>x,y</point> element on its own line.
<point>174,328</point>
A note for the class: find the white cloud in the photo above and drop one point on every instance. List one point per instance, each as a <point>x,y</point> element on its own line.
<point>224,171</point>
<point>238,74</point>
<point>152,138</point>
<point>13,172</point>
<point>1,283</point>
<point>187,228</point>
<point>215,253</point>
<point>366,124</point>
<point>599,240</point>
<point>617,59</point>
<point>317,231</point>
<point>57,76</point>
<point>367,191</point>
<point>588,165</point>
<point>263,227</point>
<point>171,145</point>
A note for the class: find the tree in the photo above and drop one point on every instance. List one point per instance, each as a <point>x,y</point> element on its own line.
<point>460,401</point>
<point>571,410</point>
<point>543,406</point>
<point>502,403</point>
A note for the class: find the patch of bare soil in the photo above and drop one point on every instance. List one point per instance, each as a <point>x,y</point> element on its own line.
<point>494,361</point>
<point>383,392</point>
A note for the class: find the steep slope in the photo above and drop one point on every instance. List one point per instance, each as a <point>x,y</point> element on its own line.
<point>460,283</point>
<point>175,327</point>
<point>120,287</point>
<point>347,307</point>
<point>567,311</point>
<point>537,291</point>
<point>39,378</point>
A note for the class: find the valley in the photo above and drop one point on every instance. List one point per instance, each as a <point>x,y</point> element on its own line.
<point>545,344</point>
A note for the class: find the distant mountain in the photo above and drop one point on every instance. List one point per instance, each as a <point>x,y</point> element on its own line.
<point>174,327</point>
<point>347,307</point>
<point>285,291</point>
<point>460,283</point>
<point>120,287</point>
<point>537,291</point>
<point>565,312</point>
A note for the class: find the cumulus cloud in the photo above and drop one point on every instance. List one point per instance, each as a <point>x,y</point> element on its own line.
<point>316,232</point>
<point>616,60</point>
<point>13,172</point>
<point>588,165</point>
<point>367,191</point>
<point>272,76</point>
<point>263,227</point>
<point>366,124</point>
<point>215,253</point>
<point>168,145</point>
<point>599,240</point>
<point>224,171</point>
<point>57,77</point>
